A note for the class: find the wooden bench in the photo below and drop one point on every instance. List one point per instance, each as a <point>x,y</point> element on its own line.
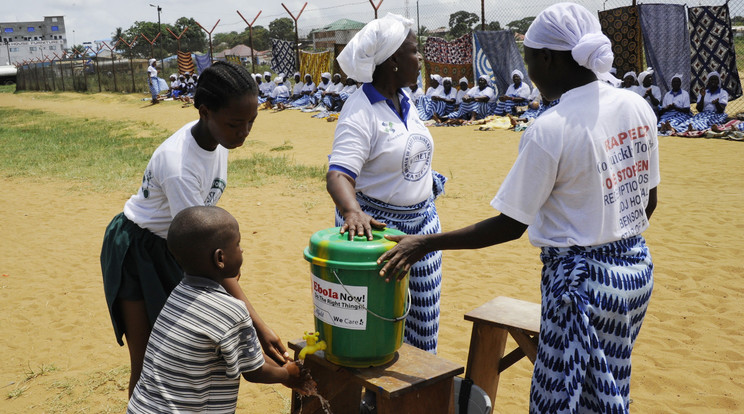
<point>491,324</point>
<point>414,382</point>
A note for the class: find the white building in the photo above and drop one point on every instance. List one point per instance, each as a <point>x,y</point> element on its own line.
<point>29,40</point>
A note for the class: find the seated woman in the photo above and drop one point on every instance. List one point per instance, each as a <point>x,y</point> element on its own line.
<point>516,95</point>
<point>675,108</point>
<point>464,87</point>
<point>630,82</point>
<point>325,83</point>
<point>414,92</point>
<point>711,105</point>
<point>330,97</point>
<point>305,93</point>
<point>440,104</point>
<point>538,105</point>
<point>435,85</point>
<point>650,92</point>
<point>297,88</point>
<point>476,103</point>
<point>280,94</point>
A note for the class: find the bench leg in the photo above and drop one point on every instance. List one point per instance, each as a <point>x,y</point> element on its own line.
<point>337,386</point>
<point>487,345</point>
<point>434,398</point>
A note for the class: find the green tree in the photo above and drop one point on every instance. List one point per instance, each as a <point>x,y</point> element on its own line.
<point>494,25</point>
<point>521,26</point>
<point>194,40</point>
<point>282,28</point>
<point>462,22</point>
<point>737,21</point>
<point>262,39</point>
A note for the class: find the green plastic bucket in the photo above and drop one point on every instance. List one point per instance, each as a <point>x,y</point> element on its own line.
<point>359,315</point>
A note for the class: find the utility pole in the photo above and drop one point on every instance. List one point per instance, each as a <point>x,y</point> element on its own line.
<point>161,42</point>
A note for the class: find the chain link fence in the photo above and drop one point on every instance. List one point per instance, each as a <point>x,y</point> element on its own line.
<point>446,19</point>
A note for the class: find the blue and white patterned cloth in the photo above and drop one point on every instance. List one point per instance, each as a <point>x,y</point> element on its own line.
<point>704,120</point>
<point>427,107</point>
<point>594,300</point>
<point>422,323</point>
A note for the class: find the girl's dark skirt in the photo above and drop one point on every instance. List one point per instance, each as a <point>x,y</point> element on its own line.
<point>136,265</point>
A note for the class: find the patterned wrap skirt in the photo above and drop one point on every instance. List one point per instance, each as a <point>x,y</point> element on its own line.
<point>704,120</point>
<point>154,88</point>
<point>678,120</point>
<point>481,109</point>
<point>427,107</point>
<point>594,300</point>
<point>422,323</point>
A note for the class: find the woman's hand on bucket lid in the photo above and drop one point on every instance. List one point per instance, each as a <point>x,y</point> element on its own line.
<point>409,250</point>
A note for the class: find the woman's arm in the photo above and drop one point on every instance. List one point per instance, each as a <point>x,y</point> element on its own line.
<point>411,249</point>
<point>358,223</point>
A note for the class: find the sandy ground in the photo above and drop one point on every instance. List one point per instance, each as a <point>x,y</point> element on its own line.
<point>57,348</point>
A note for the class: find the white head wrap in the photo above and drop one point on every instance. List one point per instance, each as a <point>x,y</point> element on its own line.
<point>631,74</point>
<point>267,73</point>
<point>279,79</point>
<point>297,73</point>
<point>463,79</point>
<point>678,76</point>
<point>713,74</point>
<point>437,77</point>
<point>325,75</point>
<point>642,75</point>
<point>372,45</point>
<point>446,78</point>
<point>173,76</point>
<point>569,26</point>
<point>151,61</point>
<point>517,72</point>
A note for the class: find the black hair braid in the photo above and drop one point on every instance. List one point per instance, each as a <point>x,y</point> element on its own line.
<point>222,81</point>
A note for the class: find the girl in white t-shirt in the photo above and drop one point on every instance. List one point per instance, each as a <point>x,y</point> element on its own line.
<point>584,186</point>
<point>711,105</point>
<point>152,80</point>
<point>187,169</point>
<point>675,108</point>
<point>517,94</point>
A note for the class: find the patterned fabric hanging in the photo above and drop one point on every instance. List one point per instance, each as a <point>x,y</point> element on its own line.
<point>315,64</point>
<point>455,57</point>
<point>666,39</point>
<point>185,63</point>
<point>500,49</point>
<point>202,62</point>
<point>622,26</point>
<point>712,43</point>
<point>282,57</point>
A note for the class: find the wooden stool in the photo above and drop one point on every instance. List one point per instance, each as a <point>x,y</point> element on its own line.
<point>414,382</point>
<point>491,323</point>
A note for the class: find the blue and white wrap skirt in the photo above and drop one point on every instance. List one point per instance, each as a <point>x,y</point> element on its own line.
<point>422,323</point>
<point>594,300</point>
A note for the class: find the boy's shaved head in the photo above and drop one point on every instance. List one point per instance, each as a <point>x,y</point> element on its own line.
<point>196,232</point>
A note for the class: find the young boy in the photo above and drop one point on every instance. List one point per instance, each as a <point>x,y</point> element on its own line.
<point>204,339</point>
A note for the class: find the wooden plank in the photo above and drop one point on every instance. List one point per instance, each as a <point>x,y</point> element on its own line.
<point>507,312</point>
<point>336,385</point>
<point>487,345</point>
<point>527,343</point>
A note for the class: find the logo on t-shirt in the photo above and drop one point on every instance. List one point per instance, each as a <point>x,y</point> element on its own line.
<point>218,187</point>
<point>417,157</point>
<point>388,127</point>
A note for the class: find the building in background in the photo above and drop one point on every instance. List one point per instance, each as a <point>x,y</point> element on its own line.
<point>24,41</point>
<point>338,32</point>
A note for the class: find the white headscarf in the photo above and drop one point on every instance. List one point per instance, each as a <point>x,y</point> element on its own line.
<point>463,79</point>
<point>372,45</point>
<point>517,72</point>
<point>446,78</point>
<point>677,75</point>
<point>279,80</point>
<point>151,61</point>
<point>267,73</point>
<point>437,78</point>
<point>713,74</point>
<point>642,75</point>
<point>569,26</point>
<point>631,74</point>
<point>325,75</point>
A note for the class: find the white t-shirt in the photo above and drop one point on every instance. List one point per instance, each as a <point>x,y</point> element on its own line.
<point>152,72</point>
<point>280,91</point>
<point>308,87</point>
<point>460,94</point>
<point>720,94</point>
<point>655,91</point>
<point>349,89</point>
<point>335,87</point>
<point>180,174</point>
<point>451,95</point>
<point>523,91</point>
<point>476,92</point>
<point>323,86</point>
<point>297,89</point>
<point>584,169</point>
<point>681,100</point>
<point>434,91</point>
<point>392,162</point>
<point>265,89</point>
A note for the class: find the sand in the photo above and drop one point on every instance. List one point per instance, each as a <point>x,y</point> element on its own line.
<point>57,348</point>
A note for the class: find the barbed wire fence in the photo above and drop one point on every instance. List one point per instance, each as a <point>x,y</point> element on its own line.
<point>120,73</point>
